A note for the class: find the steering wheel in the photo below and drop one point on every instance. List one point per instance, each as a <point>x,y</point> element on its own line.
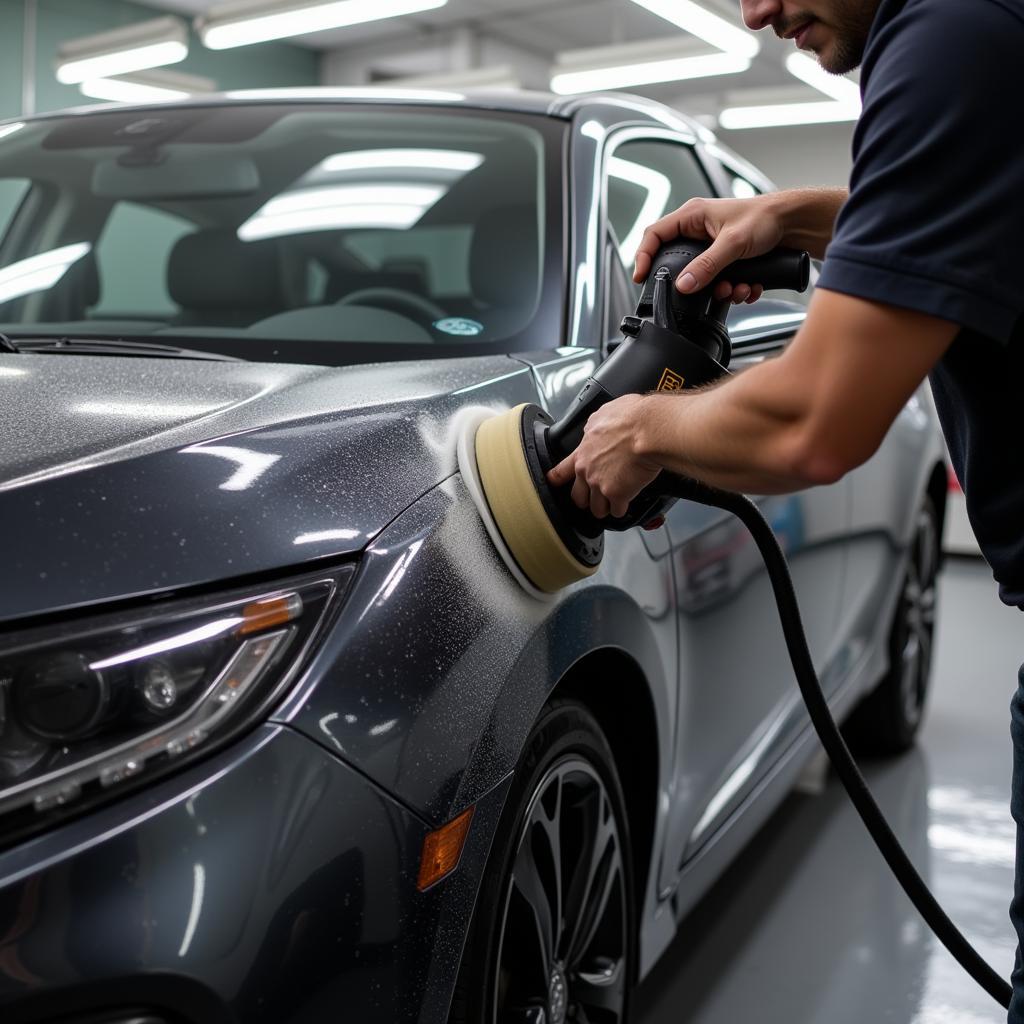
<point>405,303</point>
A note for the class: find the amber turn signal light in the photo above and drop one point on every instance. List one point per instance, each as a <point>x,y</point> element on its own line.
<point>442,849</point>
<point>271,611</point>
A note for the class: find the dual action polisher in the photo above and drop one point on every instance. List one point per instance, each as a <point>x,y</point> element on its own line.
<point>672,343</point>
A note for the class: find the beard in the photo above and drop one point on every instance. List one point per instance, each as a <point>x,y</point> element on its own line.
<point>850,22</point>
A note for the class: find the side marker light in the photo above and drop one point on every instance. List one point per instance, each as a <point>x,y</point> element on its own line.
<point>442,850</point>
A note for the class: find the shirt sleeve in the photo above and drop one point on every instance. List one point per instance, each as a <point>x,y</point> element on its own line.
<point>935,217</point>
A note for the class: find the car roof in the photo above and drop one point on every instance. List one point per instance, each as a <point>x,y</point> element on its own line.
<point>626,106</point>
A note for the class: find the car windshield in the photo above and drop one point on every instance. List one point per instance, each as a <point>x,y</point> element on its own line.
<point>304,233</point>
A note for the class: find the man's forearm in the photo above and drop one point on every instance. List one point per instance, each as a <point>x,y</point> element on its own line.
<point>745,434</point>
<point>808,217</point>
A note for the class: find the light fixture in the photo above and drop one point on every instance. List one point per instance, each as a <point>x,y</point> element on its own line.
<point>775,115</point>
<point>417,159</point>
<point>339,207</point>
<point>362,188</point>
<point>809,71</point>
<point>241,24</point>
<point>844,103</point>
<point>700,22</point>
<point>622,67</point>
<point>147,87</point>
<point>148,44</point>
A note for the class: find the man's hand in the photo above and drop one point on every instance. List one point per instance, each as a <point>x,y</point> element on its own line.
<point>741,229</point>
<point>607,471</point>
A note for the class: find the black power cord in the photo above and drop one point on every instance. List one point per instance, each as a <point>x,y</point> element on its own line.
<point>835,746</point>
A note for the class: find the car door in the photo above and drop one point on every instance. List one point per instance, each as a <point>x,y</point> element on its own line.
<point>738,706</point>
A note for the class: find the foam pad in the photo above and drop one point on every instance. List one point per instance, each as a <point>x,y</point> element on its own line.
<point>509,503</point>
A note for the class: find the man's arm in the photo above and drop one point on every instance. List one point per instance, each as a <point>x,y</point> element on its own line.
<point>802,218</point>
<point>805,418</point>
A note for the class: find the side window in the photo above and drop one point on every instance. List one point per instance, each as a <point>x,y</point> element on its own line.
<point>648,178</point>
<point>132,255</point>
<point>12,191</point>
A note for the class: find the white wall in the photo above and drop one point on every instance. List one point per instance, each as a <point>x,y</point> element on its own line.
<point>799,155</point>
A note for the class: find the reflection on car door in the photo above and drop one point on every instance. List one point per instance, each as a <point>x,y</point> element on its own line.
<point>739,706</point>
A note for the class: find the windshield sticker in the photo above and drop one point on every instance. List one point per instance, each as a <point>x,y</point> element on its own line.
<point>460,326</point>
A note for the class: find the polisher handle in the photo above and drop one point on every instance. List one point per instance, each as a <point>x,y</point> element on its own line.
<point>781,268</point>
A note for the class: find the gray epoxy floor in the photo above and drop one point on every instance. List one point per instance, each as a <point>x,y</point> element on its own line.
<point>807,927</point>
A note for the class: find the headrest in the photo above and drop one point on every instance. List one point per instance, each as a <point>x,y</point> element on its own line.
<point>214,269</point>
<point>504,257</point>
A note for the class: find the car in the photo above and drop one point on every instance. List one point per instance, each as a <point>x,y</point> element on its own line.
<point>281,738</point>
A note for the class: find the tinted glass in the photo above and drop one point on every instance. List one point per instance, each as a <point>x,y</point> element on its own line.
<point>12,191</point>
<point>379,230</point>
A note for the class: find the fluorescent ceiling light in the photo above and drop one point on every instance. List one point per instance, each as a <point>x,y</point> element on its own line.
<point>626,76</point>
<point>658,188</point>
<point>147,87</point>
<point>808,70</point>
<point>844,103</point>
<point>354,195</point>
<point>240,24</point>
<point>119,91</point>
<point>335,218</point>
<point>382,159</point>
<point>37,273</point>
<point>148,44</point>
<point>773,115</point>
<point>341,206</point>
<point>10,129</point>
<point>702,23</point>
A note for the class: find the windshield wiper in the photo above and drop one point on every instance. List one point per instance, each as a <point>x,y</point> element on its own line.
<point>120,346</point>
<point>6,345</point>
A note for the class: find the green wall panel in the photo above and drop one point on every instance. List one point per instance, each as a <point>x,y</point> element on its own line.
<point>261,66</point>
<point>11,28</point>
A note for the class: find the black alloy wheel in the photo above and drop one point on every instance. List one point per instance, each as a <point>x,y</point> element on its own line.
<point>889,718</point>
<point>552,939</point>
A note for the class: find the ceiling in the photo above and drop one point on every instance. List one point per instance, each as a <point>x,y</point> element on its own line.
<point>539,29</point>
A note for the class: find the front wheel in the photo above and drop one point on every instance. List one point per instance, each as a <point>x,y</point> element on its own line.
<point>888,719</point>
<point>552,937</point>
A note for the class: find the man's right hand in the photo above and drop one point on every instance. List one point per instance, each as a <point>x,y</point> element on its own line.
<point>740,229</point>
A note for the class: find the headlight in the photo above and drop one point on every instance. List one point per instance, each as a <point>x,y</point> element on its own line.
<point>86,707</point>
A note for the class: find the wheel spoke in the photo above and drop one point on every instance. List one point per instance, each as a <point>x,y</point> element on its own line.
<point>527,881</point>
<point>593,910</point>
<point>595,831</point>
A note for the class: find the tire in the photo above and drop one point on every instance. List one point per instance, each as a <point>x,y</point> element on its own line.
<point>564,830</point>
<point>888,719</point>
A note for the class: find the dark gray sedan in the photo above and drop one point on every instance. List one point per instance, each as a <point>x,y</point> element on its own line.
<point>280,737</point>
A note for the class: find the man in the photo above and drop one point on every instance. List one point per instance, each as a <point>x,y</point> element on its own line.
<point>921,278</point>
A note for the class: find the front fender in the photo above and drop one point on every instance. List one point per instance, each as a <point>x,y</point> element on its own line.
<point>439,663</point>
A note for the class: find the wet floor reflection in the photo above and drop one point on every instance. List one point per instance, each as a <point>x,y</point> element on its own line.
<point>807,926</point>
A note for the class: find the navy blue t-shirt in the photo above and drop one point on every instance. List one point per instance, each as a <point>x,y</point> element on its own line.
<point>935,223</point>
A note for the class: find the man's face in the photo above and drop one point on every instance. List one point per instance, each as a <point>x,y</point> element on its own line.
<point>836,31</point>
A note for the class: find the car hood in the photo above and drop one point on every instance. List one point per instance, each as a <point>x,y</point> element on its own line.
<point>126,476</point>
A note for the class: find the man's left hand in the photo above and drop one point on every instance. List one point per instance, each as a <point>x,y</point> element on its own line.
<point>607,470</point>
